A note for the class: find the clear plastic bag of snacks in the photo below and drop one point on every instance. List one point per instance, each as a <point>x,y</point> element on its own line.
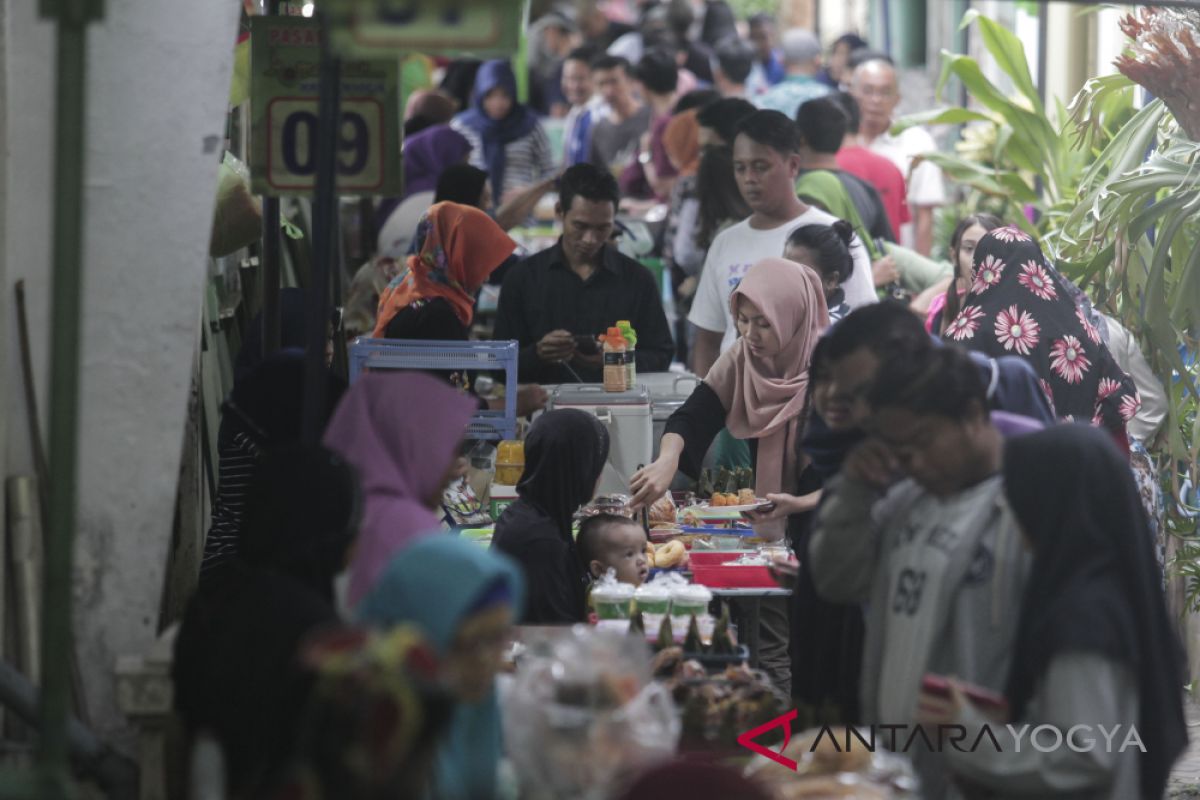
<point>583,714</point>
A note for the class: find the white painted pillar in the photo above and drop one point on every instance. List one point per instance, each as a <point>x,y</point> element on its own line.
<point>157,85</point>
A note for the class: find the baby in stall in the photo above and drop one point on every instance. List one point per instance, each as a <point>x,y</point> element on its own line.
<point>609,541</point>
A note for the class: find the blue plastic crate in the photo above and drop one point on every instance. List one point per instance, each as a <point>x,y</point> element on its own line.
<point>375,354</point>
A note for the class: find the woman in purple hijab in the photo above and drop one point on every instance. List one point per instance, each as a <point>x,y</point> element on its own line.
<point>506,138</point>
<point>428,154</point>
<point>401,431</point>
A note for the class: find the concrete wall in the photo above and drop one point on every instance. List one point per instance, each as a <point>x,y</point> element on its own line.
<point>157,85</point>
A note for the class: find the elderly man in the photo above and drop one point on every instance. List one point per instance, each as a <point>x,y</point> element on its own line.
<point>877,91</point>
<point>801,62</point>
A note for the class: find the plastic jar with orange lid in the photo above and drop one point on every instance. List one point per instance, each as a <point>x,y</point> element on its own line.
<point>510,462</point>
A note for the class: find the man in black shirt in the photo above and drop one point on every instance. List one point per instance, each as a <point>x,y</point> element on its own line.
<point>558,300</point>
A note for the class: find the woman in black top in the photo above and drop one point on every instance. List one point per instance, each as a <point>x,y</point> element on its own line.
<point>565,453</point>
<point>757,389</point>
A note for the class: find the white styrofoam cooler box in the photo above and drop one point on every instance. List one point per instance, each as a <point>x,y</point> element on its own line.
<point>626,415</point>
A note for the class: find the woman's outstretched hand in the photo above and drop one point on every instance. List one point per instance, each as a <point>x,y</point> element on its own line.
<point>650,483</point>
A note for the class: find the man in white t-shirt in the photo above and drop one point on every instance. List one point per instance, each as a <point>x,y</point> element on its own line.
<point>877,91</point>
<point>766,163</point>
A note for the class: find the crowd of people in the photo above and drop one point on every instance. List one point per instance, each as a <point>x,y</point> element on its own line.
<point>962,474</point>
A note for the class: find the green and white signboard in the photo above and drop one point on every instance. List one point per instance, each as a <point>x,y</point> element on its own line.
<point>284,61</point>
<point>480,28</point>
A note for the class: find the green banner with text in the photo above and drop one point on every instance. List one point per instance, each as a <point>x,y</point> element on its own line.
<point>482,28</point>
<point>284,64</point>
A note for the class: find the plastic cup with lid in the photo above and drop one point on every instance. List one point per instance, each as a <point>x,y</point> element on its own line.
<point>612,600</point>
<point>690,600</point>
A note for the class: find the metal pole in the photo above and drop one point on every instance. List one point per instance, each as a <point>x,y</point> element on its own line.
<point>116,774</point>
<point>886,14</point>
<point>73,16</point>
<point>324,253</point>
<point>270,276</point>
<point>271,258</point>
<point>1043,43</point>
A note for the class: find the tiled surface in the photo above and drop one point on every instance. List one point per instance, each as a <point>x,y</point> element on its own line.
<point>1185,778</point>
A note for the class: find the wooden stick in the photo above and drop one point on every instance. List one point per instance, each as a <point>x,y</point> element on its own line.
<point>41,466</point>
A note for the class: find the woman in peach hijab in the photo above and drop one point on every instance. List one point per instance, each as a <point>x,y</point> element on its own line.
<point>758,390</point>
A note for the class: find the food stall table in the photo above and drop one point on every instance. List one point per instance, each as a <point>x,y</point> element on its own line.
<point>749,610</point>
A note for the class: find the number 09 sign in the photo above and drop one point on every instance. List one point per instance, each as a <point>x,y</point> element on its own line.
<point>285,56</point>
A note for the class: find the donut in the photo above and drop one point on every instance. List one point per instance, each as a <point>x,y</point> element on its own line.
<point>670,554</point>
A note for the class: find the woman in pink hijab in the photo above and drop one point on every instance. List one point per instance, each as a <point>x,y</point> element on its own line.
<point>757,388</point>
<point>401,431</point>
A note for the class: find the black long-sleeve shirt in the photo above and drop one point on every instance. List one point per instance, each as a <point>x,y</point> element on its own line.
<point>543,294</point>
<point>555,582</point>
<point>698,421</point>
<point>832,629</point>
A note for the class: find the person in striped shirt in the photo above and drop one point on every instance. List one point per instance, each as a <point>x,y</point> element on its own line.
<point>506,138</point>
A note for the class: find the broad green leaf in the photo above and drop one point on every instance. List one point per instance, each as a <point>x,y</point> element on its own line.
<point>1009,54</point>
<point>982,178</point>
<point>1139,225</point>
<point>1018,189</point>
<point>1128,148</point>
<point>1186,310</point>
<point>942,116</point>
<point>1032,137</point>
<point>1156,309</point>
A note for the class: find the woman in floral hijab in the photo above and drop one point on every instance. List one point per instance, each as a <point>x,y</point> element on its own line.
<point>1018,305</point>
<point>458,247</point>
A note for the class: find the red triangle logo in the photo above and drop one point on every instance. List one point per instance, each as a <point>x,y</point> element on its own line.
<point>747,739</point>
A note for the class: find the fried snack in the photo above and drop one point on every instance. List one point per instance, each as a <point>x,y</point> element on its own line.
<point>649,554</point>
<point>745,497</point>
<point>669,555</point>
<point>828,753</point>
<point>829,789</point>
<point>667,662</point>
<point>663,510</point>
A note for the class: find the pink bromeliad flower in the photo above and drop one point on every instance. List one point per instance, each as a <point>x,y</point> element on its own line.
<point>987,274</point>
<point>1017,330</point>
<point>1068,359</point>
<point>1035,278</point>
<point>965,324</point>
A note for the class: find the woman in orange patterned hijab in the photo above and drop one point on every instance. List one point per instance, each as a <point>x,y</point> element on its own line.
<point>458,248</point>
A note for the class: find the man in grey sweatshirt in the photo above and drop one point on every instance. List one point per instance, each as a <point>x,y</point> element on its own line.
<point>916,526</point>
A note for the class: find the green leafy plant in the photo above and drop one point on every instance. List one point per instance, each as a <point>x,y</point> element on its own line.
<point>1115,193</point>
<point>1012,154</point>
<point>1134,239</point>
